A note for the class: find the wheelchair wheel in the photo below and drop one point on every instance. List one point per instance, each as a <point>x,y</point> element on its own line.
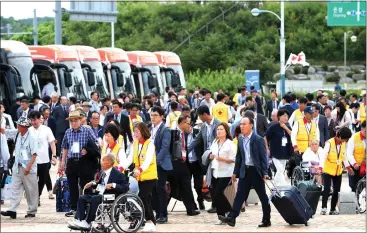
<point>297,176</point>
<point>105,217</point>
<point>127,213</point>
<point>361,195</point>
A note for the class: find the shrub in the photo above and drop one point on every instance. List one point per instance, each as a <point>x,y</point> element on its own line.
<point>297,70</point>
<point>332,69</point>
<point>305,70</point>
<point>333,78</point>
<point>350,74</point>
<point>356,71</point>
<point>324,67</point>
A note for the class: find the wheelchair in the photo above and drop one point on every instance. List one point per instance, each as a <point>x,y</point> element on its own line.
<point>361,195</point>
<point>303,172</point>
<point>123,214</point>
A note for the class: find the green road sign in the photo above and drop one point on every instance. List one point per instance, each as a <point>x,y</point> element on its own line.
<point>346,13</point>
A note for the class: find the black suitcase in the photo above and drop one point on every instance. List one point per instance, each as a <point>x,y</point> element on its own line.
<point>291,205</point>
<point>311,191</point>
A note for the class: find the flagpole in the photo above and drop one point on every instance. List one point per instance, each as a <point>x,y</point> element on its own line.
<point>282,49</point>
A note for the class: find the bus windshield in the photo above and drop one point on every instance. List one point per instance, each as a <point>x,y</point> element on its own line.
<point>79,88</point>
<point>125,66</point>
<point>24,66</point>
<point>101,83</point>
<point>178,68</point>
<point>155,70</point>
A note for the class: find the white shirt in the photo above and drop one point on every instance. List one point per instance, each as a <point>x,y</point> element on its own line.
<point>226,150</point>
<point>148,157</point>
<point>155,130</point>
<point>238,113</point>
<point>210,104</point>
<point>350,150</point>
<point>37,106</point>
<point>348,117</point>
<point>3,121</point>
<point>309,155</point>
<point>48,89</point>
<point>316,119</point>
<point>308,127</point>
<point>25,113</point>
<point>247,149</point>
<point>107,177</point>
<point>43,136</point>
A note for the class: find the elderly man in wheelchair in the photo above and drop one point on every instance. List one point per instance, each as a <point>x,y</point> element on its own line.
<point>99,205</point>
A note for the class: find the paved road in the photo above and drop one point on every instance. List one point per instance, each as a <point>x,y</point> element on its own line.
<point>48,220</point>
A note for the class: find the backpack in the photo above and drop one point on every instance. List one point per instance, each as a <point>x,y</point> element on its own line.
<point>11,160</point>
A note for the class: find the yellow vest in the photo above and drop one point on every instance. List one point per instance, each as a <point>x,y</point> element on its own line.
<point>151,172</point>
<point>114,151</point>
<point>299,115</point>
<point>173,116</point>
<point>138,118</point>
<point>235,141</point>
<point>303,138</point>
<point>362,112</point>
<point>334,166</point>
<point>235,98</point>
<point>220,112</point>
<point>359,149</point>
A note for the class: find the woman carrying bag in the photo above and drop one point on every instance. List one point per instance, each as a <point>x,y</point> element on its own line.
<point>223,156</point>
<point>143,153</point>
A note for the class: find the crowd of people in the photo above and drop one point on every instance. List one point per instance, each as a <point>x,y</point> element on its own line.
<point>182,136</point>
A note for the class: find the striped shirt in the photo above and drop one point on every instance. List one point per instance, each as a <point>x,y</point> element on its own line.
<point>81,136</point>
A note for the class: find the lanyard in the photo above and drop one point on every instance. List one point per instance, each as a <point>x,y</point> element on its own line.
<point>220,147</point>
<point>338,151</point>
<point>21,139</point>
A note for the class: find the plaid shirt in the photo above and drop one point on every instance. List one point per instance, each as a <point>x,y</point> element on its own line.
<point>82,135</point>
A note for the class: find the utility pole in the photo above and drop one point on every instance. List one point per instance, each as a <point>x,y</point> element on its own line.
<point>58,29</point>
<point>35,28</point>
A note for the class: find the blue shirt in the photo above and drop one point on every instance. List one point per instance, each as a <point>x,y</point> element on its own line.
<point>247,148</point>
<point>82,135</point>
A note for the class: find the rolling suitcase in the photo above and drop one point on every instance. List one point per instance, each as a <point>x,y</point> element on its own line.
<point>62,195</point>
<point>311,191</point>
<point>291,205</point>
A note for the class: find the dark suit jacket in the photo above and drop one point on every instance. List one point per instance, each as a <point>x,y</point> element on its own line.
<point>51,123</point>
<point>269,108</point>
<point>91,161</point>
<point>261,124</point>
<point>121,181</point>
<point>162,143</point>
<point>258,155</point>
<point>60,116</point>
<point>202,137</point>
<point>289,109</point>
<point>259,107</point>
<point>324,130</point>
<point>20,112</point>
<point>100,133</point>
<point>13,111</point>
<point>52,109</point>
<point>199,149</point>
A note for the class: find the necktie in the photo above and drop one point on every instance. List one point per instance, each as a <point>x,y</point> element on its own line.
<point>103,175</point>
<point>25,114</point>
<point>273,104</point>
<point>116,116</point>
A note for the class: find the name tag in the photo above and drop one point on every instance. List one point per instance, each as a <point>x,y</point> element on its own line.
<point>100,188</point>
<point>284,141</point>
<point>75,148</point>
<point>24,155</point>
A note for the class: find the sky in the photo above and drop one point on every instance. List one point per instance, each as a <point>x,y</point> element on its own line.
<point>13,9</point>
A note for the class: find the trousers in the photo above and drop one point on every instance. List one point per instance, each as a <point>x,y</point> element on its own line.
<point>30,185</point>
<point>279,178</point>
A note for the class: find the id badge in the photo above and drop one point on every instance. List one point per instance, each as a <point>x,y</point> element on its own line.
<point>23,152</point>
<point>75,148</point>
<point>284,141</point>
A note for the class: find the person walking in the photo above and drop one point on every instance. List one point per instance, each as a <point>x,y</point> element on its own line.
<point>251,168</point>
<point>24,171</point>
<point>223,156</point>
<point>144,157</point>
<point>279,146</point>
<point>76,138</point>
<point>331,164</point>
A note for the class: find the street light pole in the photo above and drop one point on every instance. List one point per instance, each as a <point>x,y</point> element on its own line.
<point>353,39</point>
<point>282,48</point>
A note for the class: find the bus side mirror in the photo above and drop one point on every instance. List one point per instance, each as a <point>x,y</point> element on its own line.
<point>18,81</point>
<point>91,79</point>
<point>68,80</point>
<point>120,79</point>
<point>151,81</point>
<point>176,80</point>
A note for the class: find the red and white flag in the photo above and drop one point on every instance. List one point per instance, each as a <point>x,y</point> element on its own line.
<point>297,59</point>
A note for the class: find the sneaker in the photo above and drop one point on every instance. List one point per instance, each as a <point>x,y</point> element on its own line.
<point>74,223</point>
<point>334,212</point>
<point>219,222</point>
<point>71,213</point>
<point>323,211</point>
<point>50,195</point>
<point>82,224</point>
<point>149,227</point>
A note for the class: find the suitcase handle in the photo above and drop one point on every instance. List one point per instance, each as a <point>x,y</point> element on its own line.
<point>274,187</point>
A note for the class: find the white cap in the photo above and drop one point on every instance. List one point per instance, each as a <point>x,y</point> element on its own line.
<point>363,92</point>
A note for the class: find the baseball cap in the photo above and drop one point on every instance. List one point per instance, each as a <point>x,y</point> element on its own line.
<point>308,110</point>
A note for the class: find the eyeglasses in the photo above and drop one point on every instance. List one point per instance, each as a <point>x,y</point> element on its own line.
<point>154,115</point>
